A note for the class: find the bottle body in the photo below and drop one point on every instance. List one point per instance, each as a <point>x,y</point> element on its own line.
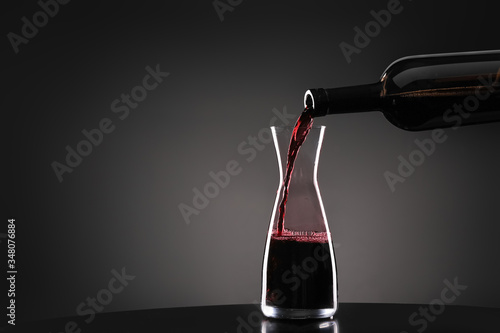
<point>299,278</point>
<point>424,92</point>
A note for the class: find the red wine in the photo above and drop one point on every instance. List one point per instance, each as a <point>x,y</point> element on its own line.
<point>299,276</point>
<point>299,272</point>
<point>299,134</point>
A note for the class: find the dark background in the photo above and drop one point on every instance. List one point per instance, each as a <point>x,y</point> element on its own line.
<point>119,207</point>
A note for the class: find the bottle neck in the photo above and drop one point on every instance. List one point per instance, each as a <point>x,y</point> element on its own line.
<point>359,98</point>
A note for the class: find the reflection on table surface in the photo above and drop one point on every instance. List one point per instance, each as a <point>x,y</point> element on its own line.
<point>247,318</point>
<point>292,326</point>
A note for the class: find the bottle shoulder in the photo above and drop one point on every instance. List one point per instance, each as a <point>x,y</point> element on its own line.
<point>427,60</point>
<point>438,70</point>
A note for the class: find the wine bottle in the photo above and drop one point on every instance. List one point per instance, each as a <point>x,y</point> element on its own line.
<point>423,92</point>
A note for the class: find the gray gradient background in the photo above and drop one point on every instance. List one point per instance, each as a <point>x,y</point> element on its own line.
<point>119,208</point>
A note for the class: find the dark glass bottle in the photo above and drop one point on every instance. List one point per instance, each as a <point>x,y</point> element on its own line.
<point>423,92</point>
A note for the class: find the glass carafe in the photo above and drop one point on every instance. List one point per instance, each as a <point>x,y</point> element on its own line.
<point>299,278</point>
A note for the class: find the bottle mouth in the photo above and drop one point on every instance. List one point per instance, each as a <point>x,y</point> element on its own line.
<point>317,101</point>
<point>308,100</point>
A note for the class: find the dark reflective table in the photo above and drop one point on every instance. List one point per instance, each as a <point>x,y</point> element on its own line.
<point>247,318</point>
